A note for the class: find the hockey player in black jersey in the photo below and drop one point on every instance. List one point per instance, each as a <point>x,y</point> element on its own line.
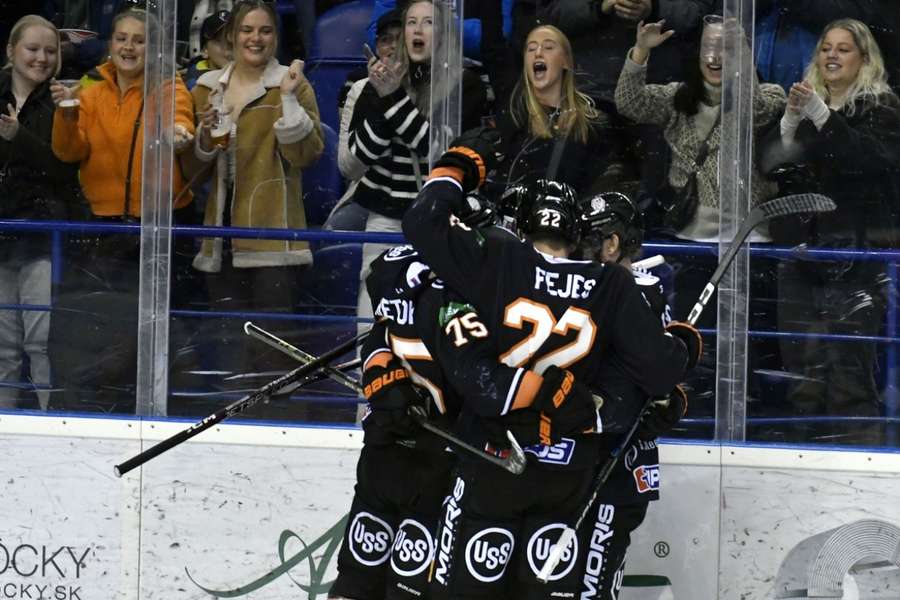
<point>403,472</point>
<point>543,310</point>
<point>613,232</point>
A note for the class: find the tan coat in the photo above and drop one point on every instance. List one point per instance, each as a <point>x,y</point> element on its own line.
<point>266,155</point>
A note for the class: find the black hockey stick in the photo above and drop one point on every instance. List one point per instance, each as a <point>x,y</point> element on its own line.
<point>778,207</point>
<point>514,463</point>
<point>238,406</point>
<point>299,355</point>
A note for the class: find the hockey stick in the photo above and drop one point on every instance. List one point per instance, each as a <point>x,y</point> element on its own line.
<point>238,406</point>
<point>514,463</point>
<point>778,207</point>
<point>649,262</point>
<point>298,354</point>
<point>787,205</point>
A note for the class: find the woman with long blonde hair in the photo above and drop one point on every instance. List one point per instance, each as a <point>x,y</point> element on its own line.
<point>843,122</point>
<point>550,129</point>
<point>390,129</point>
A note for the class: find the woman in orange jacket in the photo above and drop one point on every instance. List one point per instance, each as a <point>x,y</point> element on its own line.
<point>107,137</point>
<point>94,327</point>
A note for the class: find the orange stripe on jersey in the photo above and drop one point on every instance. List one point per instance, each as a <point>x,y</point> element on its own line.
<point>452,172</point>
<point>527,391</point>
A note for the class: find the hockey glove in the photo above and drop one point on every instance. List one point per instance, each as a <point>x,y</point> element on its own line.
<point>662,415</point>
<point>566,406</point>
<point>390,393</point>
<point>523,423</point>
<point>691,338</point>
<point>474,153</point>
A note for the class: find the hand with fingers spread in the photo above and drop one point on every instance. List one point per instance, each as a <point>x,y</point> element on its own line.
<point>293,78</point>
<point>9,123</point>
<point>648,36</point>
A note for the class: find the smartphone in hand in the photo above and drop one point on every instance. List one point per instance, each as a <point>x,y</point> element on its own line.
<point>367,52</point>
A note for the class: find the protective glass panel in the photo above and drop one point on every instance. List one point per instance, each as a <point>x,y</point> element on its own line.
<point>250,260</point>
<point>446,76</point>
<point>72,181</point>
<point>823,362</point>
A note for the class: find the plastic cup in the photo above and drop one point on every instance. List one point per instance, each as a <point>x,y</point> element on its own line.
<point>70,109</point>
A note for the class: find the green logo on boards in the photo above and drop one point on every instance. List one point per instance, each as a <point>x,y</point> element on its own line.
<point>330,540</point>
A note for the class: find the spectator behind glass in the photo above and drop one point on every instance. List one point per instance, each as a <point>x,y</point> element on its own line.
<point>689,113</point>
<point>347,214</point>
<point>216,51</point>
<point>471,26</point>
<point>267,124</point>
<point>389,131</point>
<point>786,32</point>
<point>34,185</point>
<point>550,129</point>
<point>843,121</point>
<point>106,137</point>
<point>93,340</point>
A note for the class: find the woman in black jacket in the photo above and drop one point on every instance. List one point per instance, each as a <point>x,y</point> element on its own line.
<point>843,122</point>
<point>550,129</point>
<point>34,185</point>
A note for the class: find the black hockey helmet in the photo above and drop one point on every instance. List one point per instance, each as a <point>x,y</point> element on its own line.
<point>612,212</point>
<point>547,207</point>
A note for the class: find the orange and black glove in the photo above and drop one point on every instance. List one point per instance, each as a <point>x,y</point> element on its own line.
<point>473,154</point>
<point>691,338</point>
<point>663,414</point>
<point>390,392</point>
<point>566,406</point>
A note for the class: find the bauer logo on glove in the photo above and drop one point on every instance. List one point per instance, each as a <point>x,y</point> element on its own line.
<point>383,380</point>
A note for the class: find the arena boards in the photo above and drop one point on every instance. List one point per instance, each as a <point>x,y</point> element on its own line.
<point>256,512</point>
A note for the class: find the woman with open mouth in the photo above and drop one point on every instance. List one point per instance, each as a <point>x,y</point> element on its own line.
<point>390,127</point>
<point>550,129</point>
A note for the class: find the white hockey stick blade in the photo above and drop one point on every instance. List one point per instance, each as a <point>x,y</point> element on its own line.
<point>564,541</point>
<point>649,262</point>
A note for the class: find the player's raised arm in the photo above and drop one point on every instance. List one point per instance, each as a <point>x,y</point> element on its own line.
<point>434,222</point>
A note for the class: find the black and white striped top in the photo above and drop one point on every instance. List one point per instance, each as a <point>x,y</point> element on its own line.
<point>390,135</point>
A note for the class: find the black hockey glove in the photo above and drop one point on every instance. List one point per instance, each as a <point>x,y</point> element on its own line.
<point>475,153</point>
<point>390,393</point>
<point>662,415</point>
<point>566,406</point>
<point>691,338</point>
<point>523,423</point>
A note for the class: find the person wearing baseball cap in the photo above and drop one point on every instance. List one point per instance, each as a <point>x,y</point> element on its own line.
<point>215,51</point>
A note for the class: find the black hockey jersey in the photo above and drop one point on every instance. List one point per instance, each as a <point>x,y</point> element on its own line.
<point>544,310</point>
